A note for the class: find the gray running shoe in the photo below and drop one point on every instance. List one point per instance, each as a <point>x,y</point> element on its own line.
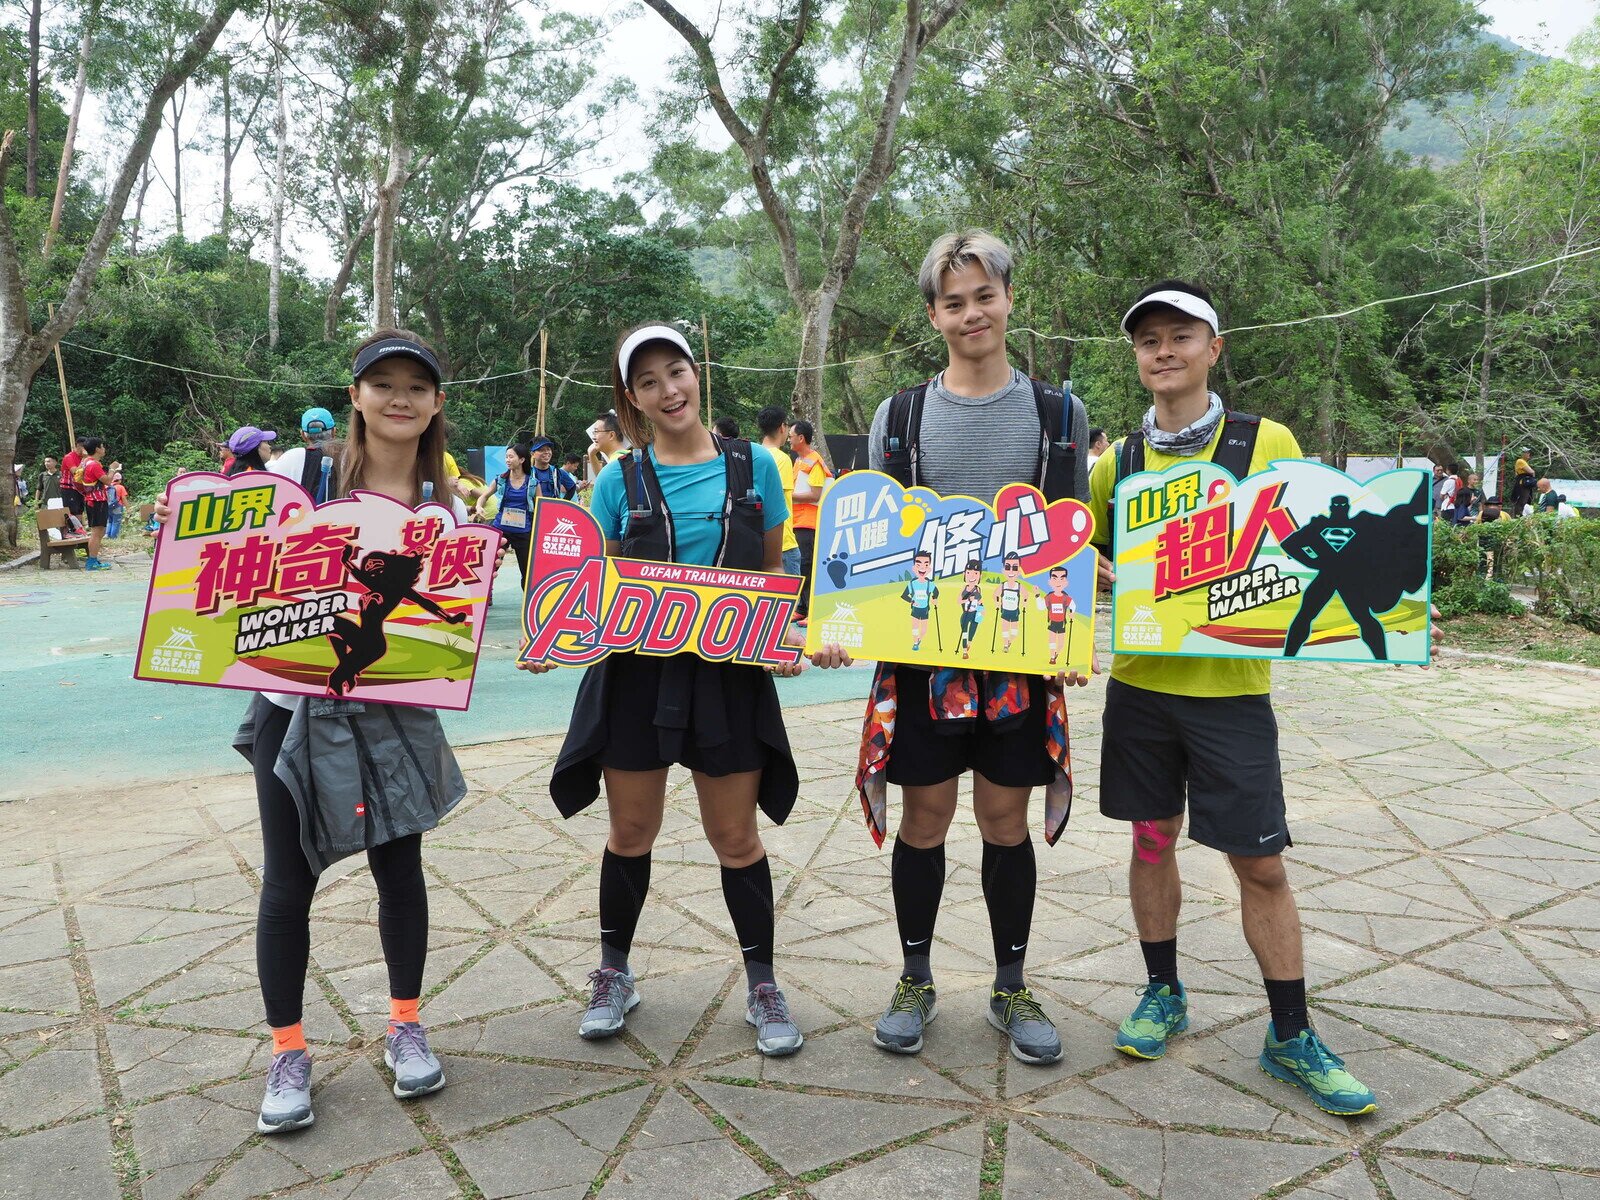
<point>416,1068</point>
<point>913,1008</point>
<point>768,1011</point>
<point>611,1000</point>
<point>287,1104</point>
<point>1018,1015</point>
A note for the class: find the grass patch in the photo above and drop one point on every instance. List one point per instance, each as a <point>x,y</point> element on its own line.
<point>1523,635</point>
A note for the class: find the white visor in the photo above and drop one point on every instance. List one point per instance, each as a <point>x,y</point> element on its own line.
<point>650,333</point>
<point>1191,306</point>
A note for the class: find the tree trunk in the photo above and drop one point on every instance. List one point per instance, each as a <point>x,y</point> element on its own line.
<point>808,391</point>
<point>386,210</point>
<point>280,133</point>
<point>31,184</point>
<point>227,150</point>
<point>436,331</point>
<point>330,318</point>
<point>79,86</point>
<point>22,350</point>
<point>177,166</point>
<point>1485,365</point>
<point>816,305</point>
<point>138,210</point>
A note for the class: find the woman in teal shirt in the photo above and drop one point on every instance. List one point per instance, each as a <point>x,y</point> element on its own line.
<point>682,495</point>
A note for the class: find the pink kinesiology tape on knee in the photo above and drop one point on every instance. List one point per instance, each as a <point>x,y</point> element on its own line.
<point>1147,830</point>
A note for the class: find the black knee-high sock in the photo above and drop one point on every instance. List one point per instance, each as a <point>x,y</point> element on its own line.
<point>917,879</point>
<point>623,884</point>
<point>1161,963</point>
<point>1010,879</point>
<point>748,892</point>
<point>1287,999</point>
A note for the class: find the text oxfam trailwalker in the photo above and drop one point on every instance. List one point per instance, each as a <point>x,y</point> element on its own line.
<point>1299,561</point>
<point>255,586</point>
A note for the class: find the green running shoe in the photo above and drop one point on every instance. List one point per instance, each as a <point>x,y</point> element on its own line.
<point>1308,1064</point>
<point>1160,1014</point>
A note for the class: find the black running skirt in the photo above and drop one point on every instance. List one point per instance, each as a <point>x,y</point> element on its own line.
<point>637,712</point>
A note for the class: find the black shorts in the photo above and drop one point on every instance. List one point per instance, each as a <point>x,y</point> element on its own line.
<point>1219,752</point>
<point>633,742</point>
<point>1056,626</point>
<point>73,500</point>
<point>96,513</point>
<point>925,752</point>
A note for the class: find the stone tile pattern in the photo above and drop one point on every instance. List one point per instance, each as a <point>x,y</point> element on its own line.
<point>1446,856</point>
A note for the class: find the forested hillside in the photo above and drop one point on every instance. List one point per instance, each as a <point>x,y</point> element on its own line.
<point>1254,144</point>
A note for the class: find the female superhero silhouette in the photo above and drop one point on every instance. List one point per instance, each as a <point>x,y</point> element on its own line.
<point>389,578</point>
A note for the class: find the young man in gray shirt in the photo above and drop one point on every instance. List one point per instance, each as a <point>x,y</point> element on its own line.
<point>980,429</point>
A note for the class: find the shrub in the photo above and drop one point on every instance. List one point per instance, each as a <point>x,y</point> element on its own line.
<point>1464,557</point>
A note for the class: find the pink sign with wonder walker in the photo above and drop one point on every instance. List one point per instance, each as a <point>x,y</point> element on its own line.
<point>257,587</point>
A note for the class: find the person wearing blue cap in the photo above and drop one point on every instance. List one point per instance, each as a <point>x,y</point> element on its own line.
<point>551,480</point>
<point>316,426</point>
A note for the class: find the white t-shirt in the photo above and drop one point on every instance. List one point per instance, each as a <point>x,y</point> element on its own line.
<point>290,464</point>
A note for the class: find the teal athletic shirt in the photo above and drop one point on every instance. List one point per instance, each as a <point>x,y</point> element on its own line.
<point>921,593</point>
<point>694,495</point>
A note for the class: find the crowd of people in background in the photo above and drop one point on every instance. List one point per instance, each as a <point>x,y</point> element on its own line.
<point>1460,498</point>
<point>95,498</point>
<point>87,487</point>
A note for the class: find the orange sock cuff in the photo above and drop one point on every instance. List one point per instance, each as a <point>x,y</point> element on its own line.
<point>403,1012</point>
<point>290,1037</point>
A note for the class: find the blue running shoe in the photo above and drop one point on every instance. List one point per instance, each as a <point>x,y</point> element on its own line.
<point>1308,1064</point>
<point>1159,1014</point>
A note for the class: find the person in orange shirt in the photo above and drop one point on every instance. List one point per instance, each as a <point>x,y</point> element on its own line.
<point>811,475</point>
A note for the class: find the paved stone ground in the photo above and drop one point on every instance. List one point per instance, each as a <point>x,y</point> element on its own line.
<point>1447,855</point>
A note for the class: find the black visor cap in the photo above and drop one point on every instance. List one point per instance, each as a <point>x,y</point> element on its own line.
<point>391,347</point>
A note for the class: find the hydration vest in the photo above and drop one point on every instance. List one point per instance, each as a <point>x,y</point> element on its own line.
<point>316,476</point>
<point>1063,430</point>
<point>649,532</point>
<point>1234,452</point>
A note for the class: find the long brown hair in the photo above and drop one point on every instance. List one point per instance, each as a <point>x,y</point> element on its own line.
<point>430,447</point>
<point>636,427</point>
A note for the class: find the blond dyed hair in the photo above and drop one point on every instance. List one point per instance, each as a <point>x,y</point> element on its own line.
<point>956,252</point>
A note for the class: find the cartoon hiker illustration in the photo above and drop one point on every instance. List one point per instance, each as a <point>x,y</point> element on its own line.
<point>1362,559</point>
<point>1059,609</point>
<point>920,592</point>
<point>971,604</point>
<point>1008,597</point>
<point>389,578</point>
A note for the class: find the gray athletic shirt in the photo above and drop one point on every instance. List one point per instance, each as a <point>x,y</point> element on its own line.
<point>972,445</point>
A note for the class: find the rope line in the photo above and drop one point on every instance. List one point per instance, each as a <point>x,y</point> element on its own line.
<point>850,362</point>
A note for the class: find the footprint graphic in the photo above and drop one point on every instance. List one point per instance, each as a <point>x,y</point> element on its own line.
<point>838,567</point>
<point>913,515</point>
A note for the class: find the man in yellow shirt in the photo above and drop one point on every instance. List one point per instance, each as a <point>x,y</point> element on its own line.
<point>774,426</point>
<point>1199,733</point>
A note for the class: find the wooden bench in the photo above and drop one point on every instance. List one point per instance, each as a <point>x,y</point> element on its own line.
<point>67,544</point>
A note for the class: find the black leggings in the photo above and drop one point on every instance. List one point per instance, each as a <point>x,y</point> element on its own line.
<point>283,921</point>
<point>519,546</point>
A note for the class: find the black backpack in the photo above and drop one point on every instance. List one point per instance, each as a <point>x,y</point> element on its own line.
<point>649,533</point>
<point>316,476</point>
<point>1064,430</point>
<point>1234,452</point>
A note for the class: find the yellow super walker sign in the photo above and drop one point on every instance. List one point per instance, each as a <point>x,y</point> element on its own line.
<point>1299,561</point>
